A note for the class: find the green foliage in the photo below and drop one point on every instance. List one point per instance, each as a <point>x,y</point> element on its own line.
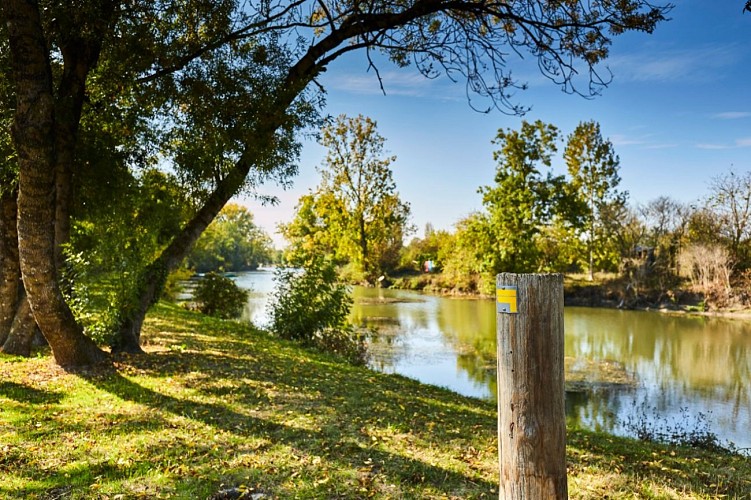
<point>523,198</point>
<point>593,169</point>
<point>219,296</point>
<point>414,255</point>
<point>533,219</point>
<point>232,242</point>
<point>466,257</point>
<point>172,286</point>
<point>120,227</point>
<point>311,306</point>
<point>92,297</point>
<point>355,214</point>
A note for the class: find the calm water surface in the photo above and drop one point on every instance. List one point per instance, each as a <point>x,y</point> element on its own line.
<point>689,370</point>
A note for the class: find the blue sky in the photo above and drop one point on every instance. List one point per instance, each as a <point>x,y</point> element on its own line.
<point>678,112</point>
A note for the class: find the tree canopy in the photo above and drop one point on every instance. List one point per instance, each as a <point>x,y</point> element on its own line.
<point>593,167</point>
<point>232,242</point>
<point>355,213</point>
<point>218,91</point>
<point>521,201</point>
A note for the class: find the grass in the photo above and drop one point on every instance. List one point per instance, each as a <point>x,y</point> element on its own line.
<point>218,409</point>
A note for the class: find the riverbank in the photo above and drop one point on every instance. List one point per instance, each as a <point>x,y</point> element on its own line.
<point>218,409</point>
<point>605,291</point>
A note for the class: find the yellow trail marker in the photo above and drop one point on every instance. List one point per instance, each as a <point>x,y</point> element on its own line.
<point>506,299</point>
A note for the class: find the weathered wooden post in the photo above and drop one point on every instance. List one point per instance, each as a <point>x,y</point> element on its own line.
<point>531,412</point>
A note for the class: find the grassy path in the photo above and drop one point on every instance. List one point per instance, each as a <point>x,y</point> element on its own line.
<point>219,410</point>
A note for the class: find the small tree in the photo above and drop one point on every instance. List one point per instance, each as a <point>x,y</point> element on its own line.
<point>523,198</point>
<point>593,167</point>
<point>356,212</point>
<point>312,306</point>
<point>219,296</point>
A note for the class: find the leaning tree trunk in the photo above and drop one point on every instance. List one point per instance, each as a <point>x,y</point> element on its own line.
<point>152,280</point>
<point>34,137</point>
<point>307,68</point>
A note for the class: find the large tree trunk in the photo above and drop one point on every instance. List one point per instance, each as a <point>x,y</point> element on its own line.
<point>10,271</point>
<point>34,131</point>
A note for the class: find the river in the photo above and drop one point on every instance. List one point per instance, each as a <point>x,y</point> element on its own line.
<point>672,371</point>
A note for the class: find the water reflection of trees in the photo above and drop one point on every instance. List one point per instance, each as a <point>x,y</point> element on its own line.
<point>469,327</point>
<point>680,361</point>
<point>391,316</point>
<point>598,409</point>
<point>707,357</point>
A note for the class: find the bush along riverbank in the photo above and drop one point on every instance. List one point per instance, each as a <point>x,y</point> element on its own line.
<point>218,409</point>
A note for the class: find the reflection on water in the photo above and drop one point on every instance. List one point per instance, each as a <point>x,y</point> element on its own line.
<point>260,284</point>
<point>682,365</point>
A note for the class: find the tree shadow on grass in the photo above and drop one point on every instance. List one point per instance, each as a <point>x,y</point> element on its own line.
<point>23,393</point>
<point>345,436</point>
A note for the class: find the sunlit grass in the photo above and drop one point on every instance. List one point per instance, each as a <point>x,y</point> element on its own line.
<point>217,405</point>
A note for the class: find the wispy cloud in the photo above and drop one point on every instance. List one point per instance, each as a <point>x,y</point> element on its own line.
<point>743,142</point>
<point>664,145</point>
<point>645,141</point>
<point>713,146</point>
<point>670,65</point>
<point>401,83</point>
<point>624,140</point>
<point>732,115</point>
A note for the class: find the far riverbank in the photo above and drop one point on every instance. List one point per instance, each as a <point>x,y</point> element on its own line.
<point>605,291</point>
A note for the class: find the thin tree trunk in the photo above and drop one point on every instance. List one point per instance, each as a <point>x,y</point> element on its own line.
<point>34,137</point>
<point>17,324</point>
<point>366,267</point>
<point>591,236</point>
<point>10,270</point>
<point>22,331</point>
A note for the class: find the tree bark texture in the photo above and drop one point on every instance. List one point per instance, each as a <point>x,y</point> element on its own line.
<point>531,412</point>
<point>10,270</point>
<point>34,138</point>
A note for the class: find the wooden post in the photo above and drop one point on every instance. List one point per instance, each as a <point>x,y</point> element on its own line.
<point>531,411</point>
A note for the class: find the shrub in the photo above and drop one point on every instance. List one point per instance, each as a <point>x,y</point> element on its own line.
<point>219,296</point>
<point>311,306</point>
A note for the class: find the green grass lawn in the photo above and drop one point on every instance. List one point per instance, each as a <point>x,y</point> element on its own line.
<point>217,406</point>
